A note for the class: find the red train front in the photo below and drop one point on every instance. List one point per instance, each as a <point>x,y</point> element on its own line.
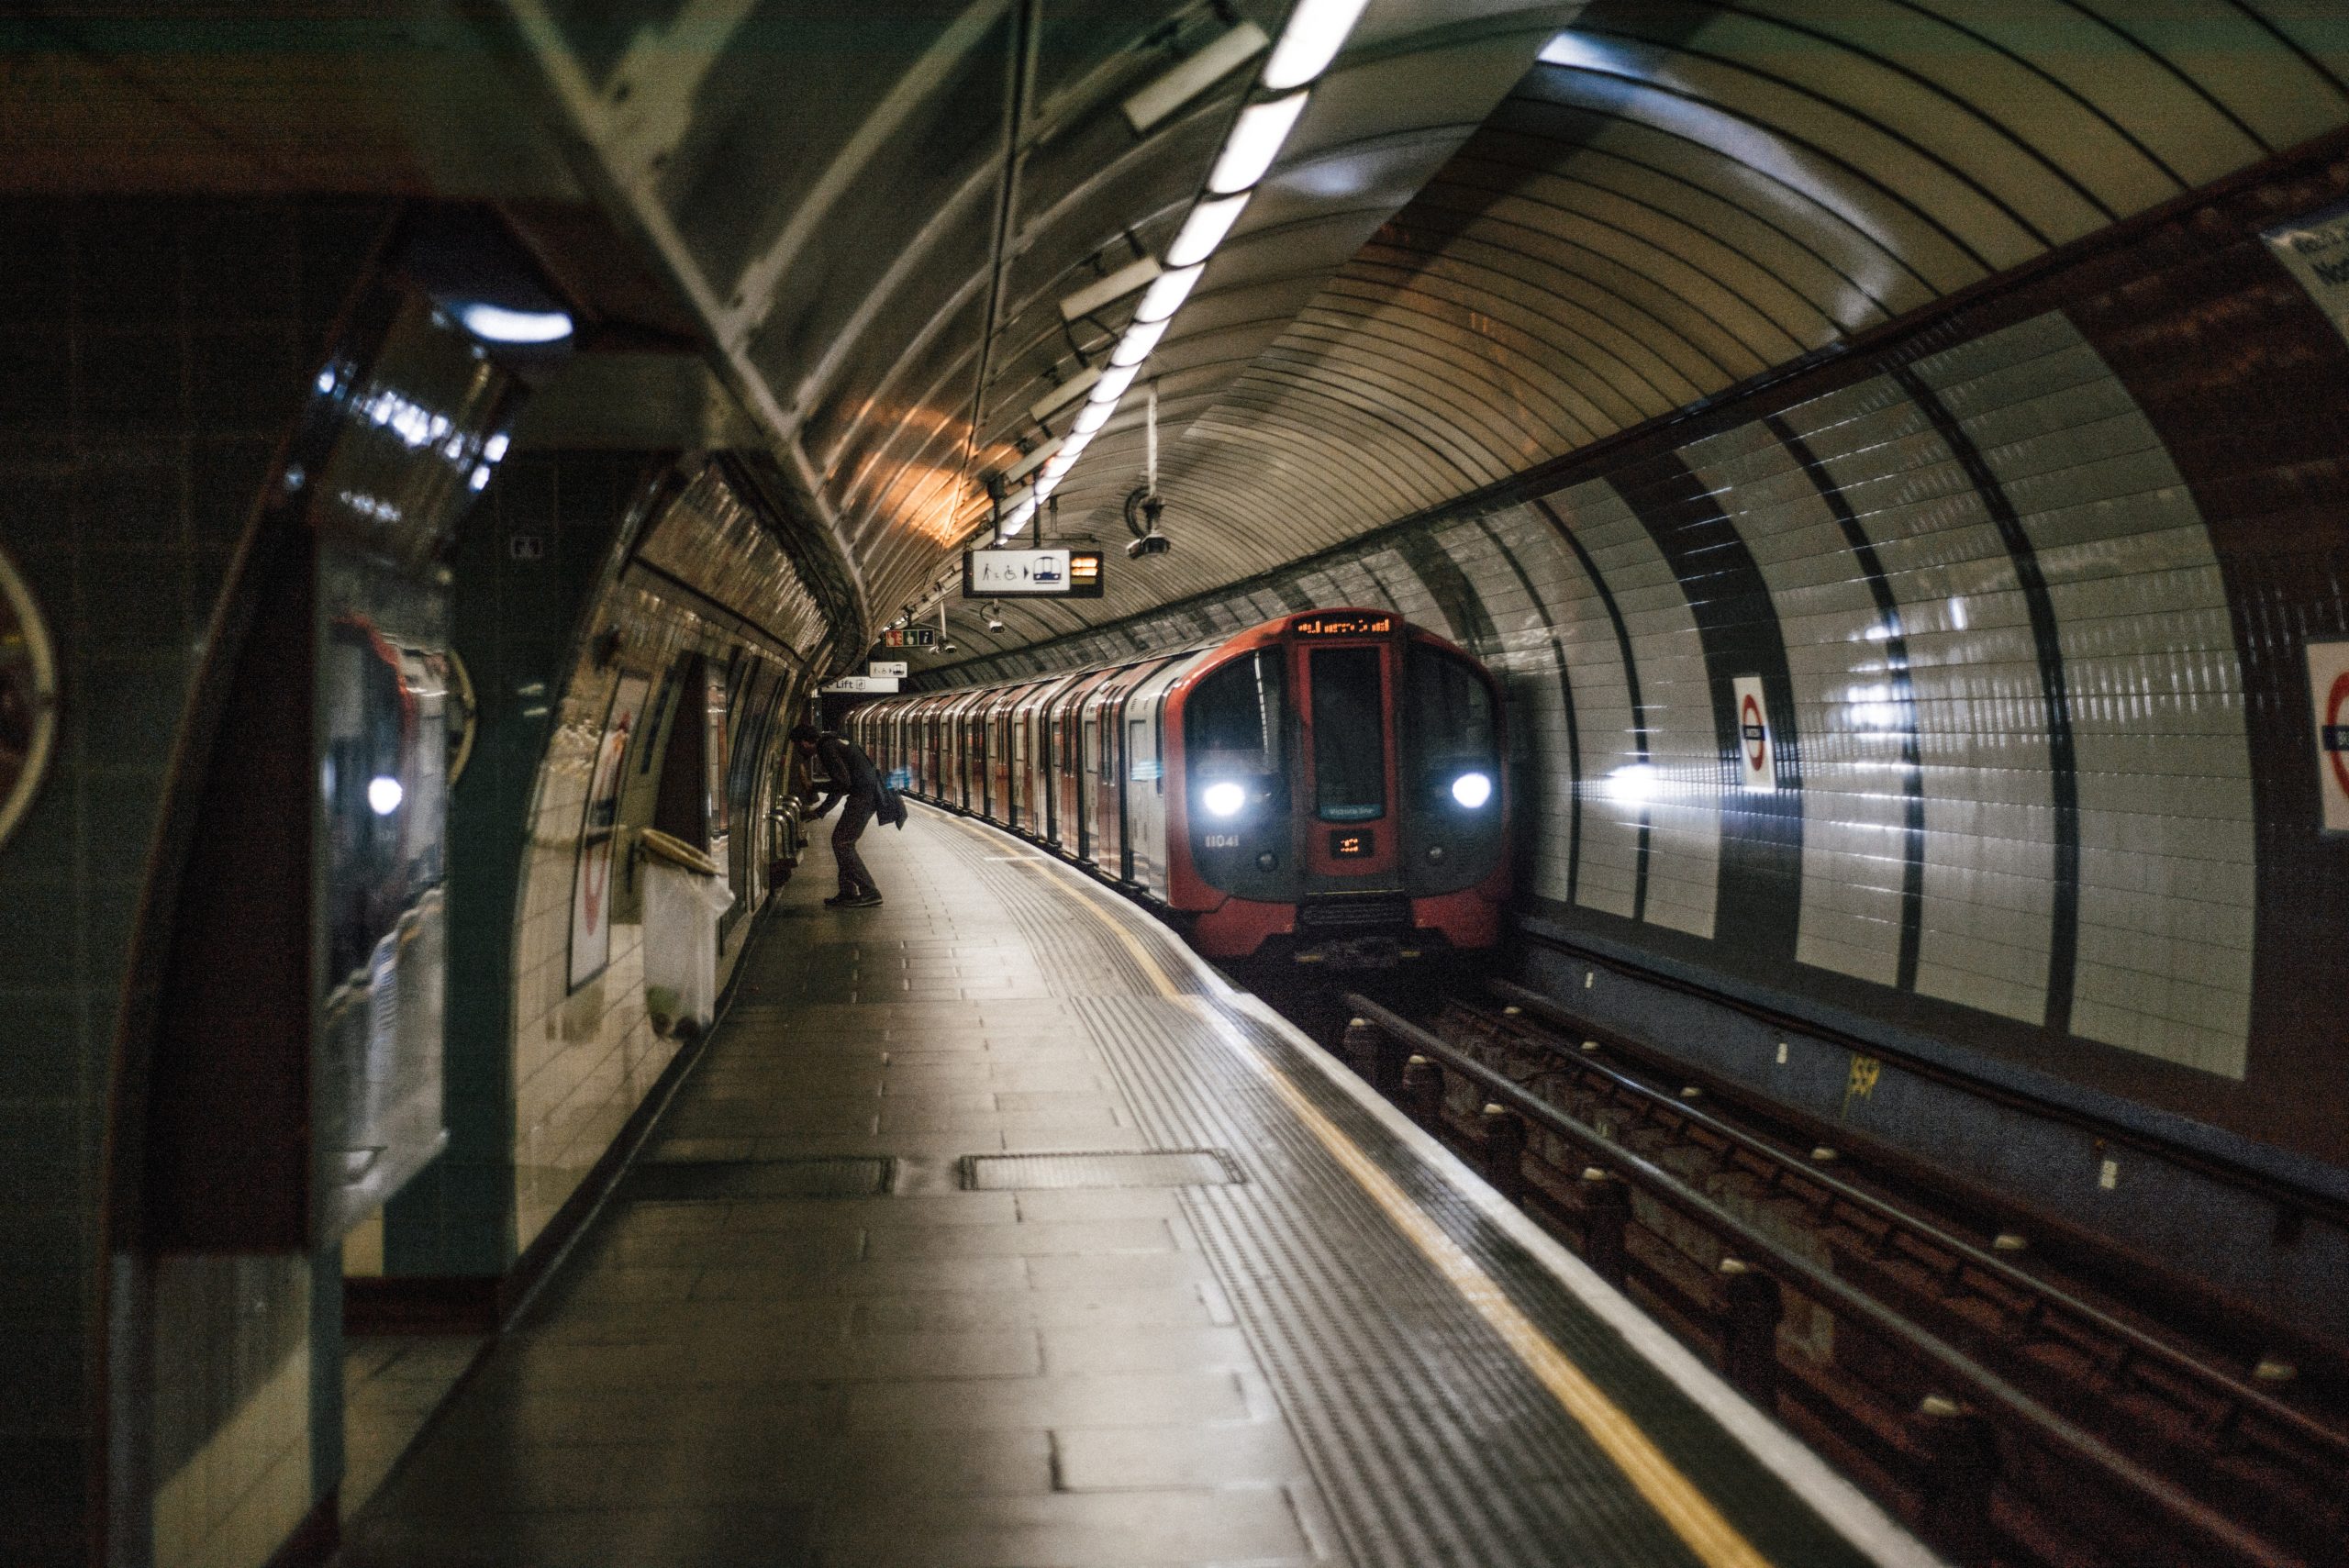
<point>1330,784</point>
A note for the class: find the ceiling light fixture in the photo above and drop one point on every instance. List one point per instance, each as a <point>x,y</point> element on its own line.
<point>1135,346</point>
<point>1114,382</point>
<point>1316,29</point>
<point>1255,142</point>
<point>1204,229</point>
<point>496,324</point>
<point>1194,76</point>
<point>1164,298</point>
<point>1062,395</point>
<point>1092,417</point>
<point>1115,286</point>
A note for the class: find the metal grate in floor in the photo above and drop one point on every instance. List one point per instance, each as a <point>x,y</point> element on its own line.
<point>715,1181</point>
<point>1162,1168</point>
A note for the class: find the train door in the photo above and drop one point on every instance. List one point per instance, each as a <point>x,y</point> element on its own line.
<point>1016,813</point>
<point>972,748</point>
<point>1003,778</point>
<point>1080,802</point>
<point>1145,729</point>
<point>1098,795</point>
<point>953,748</point>
<point>1348,754</point>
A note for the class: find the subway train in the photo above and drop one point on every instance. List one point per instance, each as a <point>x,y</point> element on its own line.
<point>1329,786</point>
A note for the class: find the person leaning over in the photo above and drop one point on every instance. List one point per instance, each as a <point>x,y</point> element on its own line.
<point>849,776</point>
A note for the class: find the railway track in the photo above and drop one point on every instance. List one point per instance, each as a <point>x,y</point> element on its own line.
<point>2002,1402</point>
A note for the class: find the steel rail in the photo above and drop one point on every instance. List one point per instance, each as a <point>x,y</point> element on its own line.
<point>2138,1341</point>
<point>1845,1300</point>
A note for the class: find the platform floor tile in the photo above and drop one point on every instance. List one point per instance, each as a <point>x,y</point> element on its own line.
<point>747,1380</point>
<point>733,1369</point>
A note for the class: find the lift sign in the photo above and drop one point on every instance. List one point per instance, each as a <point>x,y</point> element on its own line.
<point>1757,761</point>
<point>2329,692</point>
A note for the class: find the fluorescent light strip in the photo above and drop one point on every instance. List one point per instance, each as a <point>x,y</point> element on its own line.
<point>496,324</point>
<point>1204,229</point>
<point>1075,445</point>
<point>1113,383</point>
<point>1135,346</point>
<point>1032,463</point>
<point>1194,76</point>
<point>1092,417</point>
<point>1017,519</point>
<point>1316,29</point>
<point>1255,142</point>
<point>1164,298</point>
<point>1117,285</point>
<point>1064,395</point>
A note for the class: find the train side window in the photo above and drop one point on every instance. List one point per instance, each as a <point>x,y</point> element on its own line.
<point>1232,720</point>
<point>1349,735</point>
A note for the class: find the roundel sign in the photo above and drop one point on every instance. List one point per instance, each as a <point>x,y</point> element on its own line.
<point>2329,688</point>
<point>1757,761</point>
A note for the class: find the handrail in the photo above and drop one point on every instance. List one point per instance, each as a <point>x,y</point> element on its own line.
<point>1844,1299</point>
<point>2140,1342</point>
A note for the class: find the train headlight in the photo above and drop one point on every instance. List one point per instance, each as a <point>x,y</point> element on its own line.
<point>1472,790</point>
<point>1223,799</point>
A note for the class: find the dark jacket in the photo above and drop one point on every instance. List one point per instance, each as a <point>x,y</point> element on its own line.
<point>850,772</point>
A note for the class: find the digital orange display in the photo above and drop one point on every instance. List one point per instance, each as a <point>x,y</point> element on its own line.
<point>1347,846</point>
<point>1344,626</point>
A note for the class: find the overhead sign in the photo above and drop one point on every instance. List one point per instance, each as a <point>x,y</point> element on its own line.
<point>861,685</point>
<point>2315,249</point>
<point>2329,691</point>
<point>1032,573</point>
<point>909,637</point>
<point>1757,746</point>
<point>886,669</point>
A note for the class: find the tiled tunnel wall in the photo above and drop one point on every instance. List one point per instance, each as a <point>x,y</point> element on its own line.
<point>2024,593</point>
<point>693,572</point>
<point>152,353</point>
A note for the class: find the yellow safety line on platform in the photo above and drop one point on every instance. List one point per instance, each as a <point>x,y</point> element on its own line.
<point>1685,1508</point>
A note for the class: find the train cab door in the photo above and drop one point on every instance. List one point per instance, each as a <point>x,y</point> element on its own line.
<point>1347,669</point>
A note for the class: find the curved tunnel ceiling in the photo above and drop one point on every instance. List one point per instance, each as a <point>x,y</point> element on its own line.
<point>1678,198</point>
<point>876,211</point>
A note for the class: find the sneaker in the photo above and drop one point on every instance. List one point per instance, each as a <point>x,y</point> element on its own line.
<point>863,901</point>
<point>841,901</point>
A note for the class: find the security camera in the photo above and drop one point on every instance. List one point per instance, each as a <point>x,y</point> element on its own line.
<point>948,647</point>
<point>1149,544</point>
<point>994,625</point>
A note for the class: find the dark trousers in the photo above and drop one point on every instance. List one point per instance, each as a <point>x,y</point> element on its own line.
<point>856,812</point>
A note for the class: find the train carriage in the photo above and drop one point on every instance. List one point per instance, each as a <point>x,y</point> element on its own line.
<point>1330,784</point>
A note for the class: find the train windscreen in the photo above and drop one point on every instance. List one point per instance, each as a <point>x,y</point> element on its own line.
<point>1349,735</point>
<point>1232,720</point>
<point>1450,711</point>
